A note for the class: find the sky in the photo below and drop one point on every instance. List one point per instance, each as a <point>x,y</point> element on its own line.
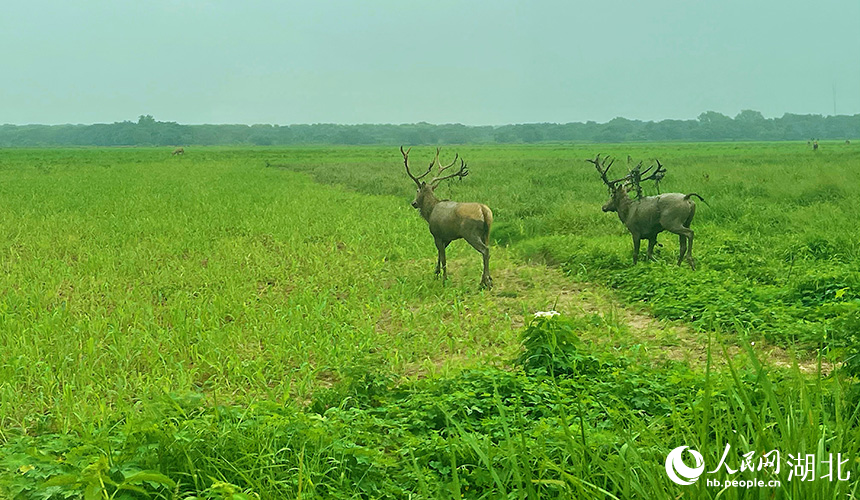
<point>478,62</point>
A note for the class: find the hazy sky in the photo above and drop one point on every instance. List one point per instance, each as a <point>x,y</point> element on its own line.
<point>474,62</point>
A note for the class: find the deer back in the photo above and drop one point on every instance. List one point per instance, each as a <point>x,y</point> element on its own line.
<point>653,214</point>
<point>451,220</point>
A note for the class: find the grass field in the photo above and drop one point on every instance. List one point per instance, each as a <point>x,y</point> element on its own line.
<point>235,323</point>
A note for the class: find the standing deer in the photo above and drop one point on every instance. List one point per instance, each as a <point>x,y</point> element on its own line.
<point>646,217</point>
<point>451,220</point>
<point>178,151</point>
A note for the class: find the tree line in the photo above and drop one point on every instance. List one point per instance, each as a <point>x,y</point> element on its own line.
<point>748,125</point>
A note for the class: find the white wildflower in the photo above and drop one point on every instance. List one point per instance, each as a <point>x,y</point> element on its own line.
<point>546,314</point>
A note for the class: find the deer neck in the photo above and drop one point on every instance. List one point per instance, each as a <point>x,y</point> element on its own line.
<point>625,207</point>
<point>427,205</point>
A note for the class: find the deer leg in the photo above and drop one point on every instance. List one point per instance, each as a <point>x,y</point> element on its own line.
<point>478,244</point>
<point>651,243</point>
<point>690,235</point>
<point>686,232</point>
<point>683,243</point>
<point>441,262</point>
<point>486,280</point>
<point>690,250</point>
<point>635,249</point>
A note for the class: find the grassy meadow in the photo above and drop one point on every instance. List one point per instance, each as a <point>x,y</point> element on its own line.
<point>265,323</point>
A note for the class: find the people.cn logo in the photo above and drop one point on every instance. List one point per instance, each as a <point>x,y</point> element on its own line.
<point>678,471</point>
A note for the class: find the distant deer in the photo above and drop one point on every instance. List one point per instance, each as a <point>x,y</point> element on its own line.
<point>646,217</point>
<point>451,220</point>
<point>178,151</point>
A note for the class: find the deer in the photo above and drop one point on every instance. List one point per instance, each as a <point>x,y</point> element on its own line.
<point>452,220</point>
<point>646,217</point>
<point>178,151</point>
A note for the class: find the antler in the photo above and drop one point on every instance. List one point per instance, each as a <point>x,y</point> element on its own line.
<point>439,165</point>
<point>599,165</point>
<point>658,174</point>
<point>406,163</point>
<point>635,177</point>
<point>462,172</point>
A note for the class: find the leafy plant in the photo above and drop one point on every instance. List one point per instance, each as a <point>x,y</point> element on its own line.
<point>552,347</point>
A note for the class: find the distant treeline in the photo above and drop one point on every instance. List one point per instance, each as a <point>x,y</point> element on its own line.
<point>748,125</point>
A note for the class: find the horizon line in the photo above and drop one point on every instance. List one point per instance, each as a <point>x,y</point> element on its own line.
<point>69,124</point>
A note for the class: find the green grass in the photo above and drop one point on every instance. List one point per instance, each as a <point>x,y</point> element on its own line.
<point>775,246</point>
<point>128,274</point>
<point>569,425</point>
<point>277,331</point>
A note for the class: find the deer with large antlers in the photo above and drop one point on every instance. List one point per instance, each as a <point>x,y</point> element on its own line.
<point>646,217</point>
<point>451,220</point>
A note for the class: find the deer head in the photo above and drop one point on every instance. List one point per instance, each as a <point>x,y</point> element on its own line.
<point>617,190</point>
<point>425,189</point>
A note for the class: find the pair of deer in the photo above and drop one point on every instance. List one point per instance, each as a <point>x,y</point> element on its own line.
<point>644,217</point>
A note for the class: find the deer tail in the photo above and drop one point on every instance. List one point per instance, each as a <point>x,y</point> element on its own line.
<point>697,196</point>
<point>488,221</point>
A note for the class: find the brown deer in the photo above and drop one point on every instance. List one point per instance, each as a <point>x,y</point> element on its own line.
<point>646,217</point>
<point>178,151</point>
<point>451,220</point>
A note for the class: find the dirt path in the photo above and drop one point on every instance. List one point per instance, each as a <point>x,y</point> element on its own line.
<point>634,327</point>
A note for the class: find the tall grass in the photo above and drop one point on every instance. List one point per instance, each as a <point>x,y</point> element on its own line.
<point>577,423</point>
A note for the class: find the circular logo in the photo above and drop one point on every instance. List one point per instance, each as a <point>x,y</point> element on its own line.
<point>678,471</point>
